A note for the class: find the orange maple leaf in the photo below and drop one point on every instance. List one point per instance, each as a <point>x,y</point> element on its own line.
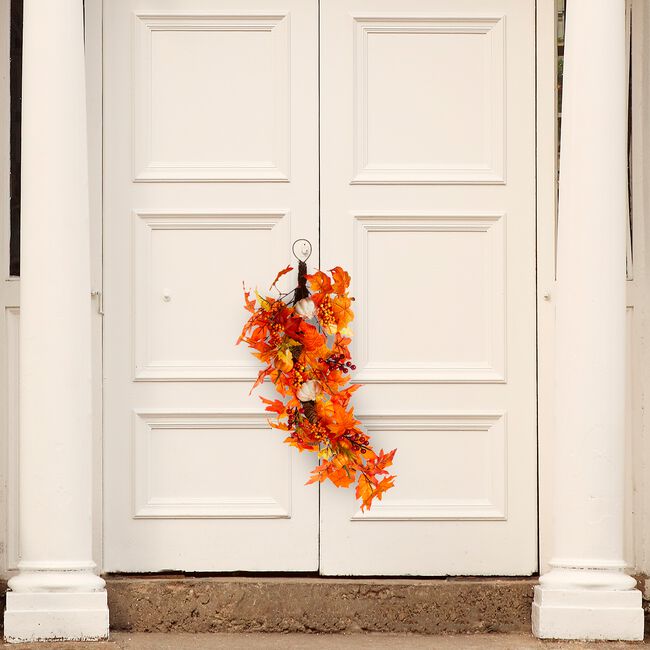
<point>284,271</point>
<point>342,397</point>
<point>335,470</point>
<point>344,420</point>
<point>274,406</point>
<point>310,337</point>
<point>250,302</point>
<point>341,280</point>
<point>319,282</point>
<point>341,307</point>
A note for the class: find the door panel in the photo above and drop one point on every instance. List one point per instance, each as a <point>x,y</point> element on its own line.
<point>210,171</point>
<point>428,195</point>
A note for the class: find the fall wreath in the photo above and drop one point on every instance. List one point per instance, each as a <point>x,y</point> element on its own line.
<point>303,339</point>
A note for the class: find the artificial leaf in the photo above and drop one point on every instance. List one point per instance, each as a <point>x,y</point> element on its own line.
<point>274,406</point>
<point>319,282</point>
<point>284,271</point>
<point>341,280</point>
<point>341,307</point>
<point>310,337</point>
<point>311,374</point>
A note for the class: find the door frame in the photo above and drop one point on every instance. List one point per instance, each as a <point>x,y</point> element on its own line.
<point>546,211</point>
<point>9,311</point>
<point>94,92</point>
<point>546,137</point>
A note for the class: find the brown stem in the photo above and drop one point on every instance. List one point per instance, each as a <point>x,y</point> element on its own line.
<point>301,290</point>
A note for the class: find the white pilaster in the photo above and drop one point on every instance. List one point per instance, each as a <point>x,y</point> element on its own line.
<point>587,594</point>
<point>56,594</point>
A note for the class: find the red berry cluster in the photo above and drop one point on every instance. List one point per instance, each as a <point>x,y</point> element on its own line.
<point>359,441</point>
<point>293,417</point>
<point>337,362</point>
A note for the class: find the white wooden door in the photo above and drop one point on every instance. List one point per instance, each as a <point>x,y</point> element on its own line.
<point>428,197</point>
<point>211,170</point>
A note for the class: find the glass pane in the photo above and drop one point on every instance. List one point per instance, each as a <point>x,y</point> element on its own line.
<point>15,89</point>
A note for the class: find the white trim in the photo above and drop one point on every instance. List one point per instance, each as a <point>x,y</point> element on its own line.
<point>546,47</point>
<point>9,301</point>
<point>638,526</point>
<point>94,93</point>
<point>546,170</point>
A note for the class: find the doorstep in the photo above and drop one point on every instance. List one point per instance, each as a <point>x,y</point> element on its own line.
<point>160,641</point>
<point>319,605</point>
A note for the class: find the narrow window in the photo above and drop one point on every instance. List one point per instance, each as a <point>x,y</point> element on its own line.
<point>15,89</point>
<point>630,230</point>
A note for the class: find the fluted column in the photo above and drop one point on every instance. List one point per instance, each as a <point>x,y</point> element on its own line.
<point>587,593</point>
<point>56,594</point>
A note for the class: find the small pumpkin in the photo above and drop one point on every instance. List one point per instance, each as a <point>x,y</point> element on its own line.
<point>305,308</point>
<point>308,391</point>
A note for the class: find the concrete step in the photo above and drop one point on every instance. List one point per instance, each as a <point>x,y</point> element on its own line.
<point>319,605</point>
<point>143,641</point>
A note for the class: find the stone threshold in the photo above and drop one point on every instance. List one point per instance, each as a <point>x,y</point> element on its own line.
<point>178,603</point>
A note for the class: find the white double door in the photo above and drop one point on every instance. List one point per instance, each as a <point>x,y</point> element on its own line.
<point>408,159</point>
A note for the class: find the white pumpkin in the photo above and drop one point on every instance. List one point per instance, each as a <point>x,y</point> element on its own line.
<point>308,391</point>
<point>305,308</point>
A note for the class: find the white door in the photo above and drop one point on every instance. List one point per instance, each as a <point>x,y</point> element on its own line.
<point>211,170</point>
<point>428,197</point>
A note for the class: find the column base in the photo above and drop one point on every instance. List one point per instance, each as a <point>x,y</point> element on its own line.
<point>588,614</point>
<point>33,616</point>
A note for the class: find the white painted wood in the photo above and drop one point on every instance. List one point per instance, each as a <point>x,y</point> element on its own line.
<point>437,153</point>
<point>547,148</point>
<point>10,290</point>
<point>93,50</point>
<point>7,306</point>
<point>467,247</point>
<point>428,195</point>
<point>587,593</point>
<point>163,349</point>
<point>249,137</point>
<point>476,492</point>
<point>211,170</point>
<point>56,594</point>
<point>639,530</point>
<point>12,334</point>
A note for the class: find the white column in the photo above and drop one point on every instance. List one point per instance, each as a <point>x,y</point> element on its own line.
<point>56,594</point>
<point>587,593</point>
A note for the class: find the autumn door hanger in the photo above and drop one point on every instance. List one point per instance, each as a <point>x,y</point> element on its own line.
<point>303,339</point>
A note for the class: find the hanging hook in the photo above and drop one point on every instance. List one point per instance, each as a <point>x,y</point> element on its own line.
<point>304,250</point>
